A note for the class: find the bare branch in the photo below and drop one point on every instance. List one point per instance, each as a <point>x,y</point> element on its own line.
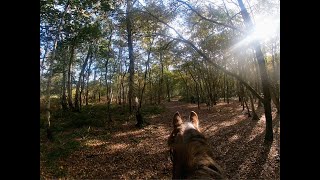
<point>210,20</point>
<point>207,59</point>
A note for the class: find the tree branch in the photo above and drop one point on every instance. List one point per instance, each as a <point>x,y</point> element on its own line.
<point>210,20</point>
<point>206,58</point>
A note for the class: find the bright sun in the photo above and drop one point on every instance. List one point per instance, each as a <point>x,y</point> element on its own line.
<point>266,28</point>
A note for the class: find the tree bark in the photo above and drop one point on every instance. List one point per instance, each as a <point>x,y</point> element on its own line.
<point>254,114</point>
<point>64,104</point>
<point>81,74</point>
<point>87,86</point>
<point>69,83</point>
<point>48,93</point>
<point>94,81</point>
<point>197,89</point>
<point>161,80</point>
<point>168,88</point>
<point>263,73</point>
<point>131,57</point>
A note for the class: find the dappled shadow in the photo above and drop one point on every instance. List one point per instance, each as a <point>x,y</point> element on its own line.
<point>237,141</point>
<point>130,163</point>
<point>242,156</point>
<point>125,152</point>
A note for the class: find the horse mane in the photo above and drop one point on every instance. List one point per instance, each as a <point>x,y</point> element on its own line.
<point>191,155</point>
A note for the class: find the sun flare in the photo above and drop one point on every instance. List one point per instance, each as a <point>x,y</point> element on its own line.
<point>265,28</point>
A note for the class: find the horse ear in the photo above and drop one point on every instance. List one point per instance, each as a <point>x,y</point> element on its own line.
<point>177,121</point>
<point>194,120</point>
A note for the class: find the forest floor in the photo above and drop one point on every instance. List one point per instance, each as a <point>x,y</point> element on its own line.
<point>121,151</point>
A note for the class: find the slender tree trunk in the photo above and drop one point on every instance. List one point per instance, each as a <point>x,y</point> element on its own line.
<point>108,91</point>
<point>100,86</point>
<point>42,67</point>
<point>198,96</point>
<point>81,91</point>
<point>161,80</point>
<point>131,57</point>
<point>69,83</point>
<point>50,70</point>
<point>197,89</point>
<point>81,74</point>
<point>94,80</point>
<point>227,91</point>
<point>64,96</point>
<point>88,75</point>
<point>245,102</point>
<point>275,86</point>
<point>168,89</point>
<point>254,114</point>
<point>119,77</point>
<point>146,73</point>
<point>263,73</point>
<point>275,98</point>
<point>242,96</point>
<point>224,87</point>
<point>139,116</point>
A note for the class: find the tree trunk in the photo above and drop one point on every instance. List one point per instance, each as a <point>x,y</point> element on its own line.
<point>81,91</point>
<point>69,83</point>
<point>275,99</point>
<point>64,96</point>
<point>81,74</point>
<point>50,70</point>
<point>168,89</point>
<point>254,114</point>
<point>242,96</point>
<point>197,89</point>
<point>275,87</point>
<point>224,87</point>
<point>139,116</point>
<point>87,87</point>
<point>94,80</point>
<point>161,80</point>
<point>263,73</point>
<point>131,57</point>
<point>100,86</point>
<point>245,102</point>
<point>227,91</point>
<point>108,90</point>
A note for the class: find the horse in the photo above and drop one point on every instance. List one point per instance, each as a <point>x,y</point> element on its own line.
<point>190,152</point>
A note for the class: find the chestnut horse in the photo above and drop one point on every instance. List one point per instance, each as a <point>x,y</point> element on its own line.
<point>189,151</point>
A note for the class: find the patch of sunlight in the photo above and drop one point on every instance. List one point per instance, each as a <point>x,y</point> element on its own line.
<point>129,133</point>
<point>212,129</point>
<point>233,121</point>
<point>94,142</point>
<point>233,138</point>
<point>117,146</point>
<point>258,129</point>
<point>265,29</point>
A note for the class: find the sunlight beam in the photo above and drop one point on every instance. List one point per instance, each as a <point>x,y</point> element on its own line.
<point>265,29</point>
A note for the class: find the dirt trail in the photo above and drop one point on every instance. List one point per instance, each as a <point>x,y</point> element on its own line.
<point>131,153</point>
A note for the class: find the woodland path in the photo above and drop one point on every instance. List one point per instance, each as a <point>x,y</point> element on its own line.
<point>126,152</point>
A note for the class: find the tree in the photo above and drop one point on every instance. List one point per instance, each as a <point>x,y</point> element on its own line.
<point>49,134</point>
<point>263,73</point>
<point>131,57</point>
